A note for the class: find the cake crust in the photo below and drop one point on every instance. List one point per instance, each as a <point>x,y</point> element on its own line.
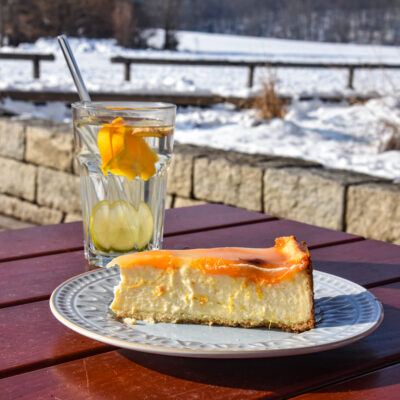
<point>159,317</point>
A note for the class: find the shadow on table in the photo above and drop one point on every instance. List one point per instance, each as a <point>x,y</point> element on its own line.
<point>383,382</point>
<point>284,375</point>
<point>362,273</point>
<point>130,373</point>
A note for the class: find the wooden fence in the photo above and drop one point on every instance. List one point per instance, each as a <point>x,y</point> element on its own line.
<point>202,100</point>
<point>34,57</point>
<point>251,65</point>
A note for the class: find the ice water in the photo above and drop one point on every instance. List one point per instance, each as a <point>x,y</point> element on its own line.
<point>110,188</point>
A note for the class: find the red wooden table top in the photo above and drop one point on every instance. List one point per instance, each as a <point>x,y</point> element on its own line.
<point>42,359</point>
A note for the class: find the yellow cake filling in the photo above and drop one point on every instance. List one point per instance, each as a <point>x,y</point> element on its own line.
<point>247,287</point>
<point>188,294</point>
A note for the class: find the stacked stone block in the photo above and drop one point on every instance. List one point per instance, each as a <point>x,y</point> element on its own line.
<point>39,183</point>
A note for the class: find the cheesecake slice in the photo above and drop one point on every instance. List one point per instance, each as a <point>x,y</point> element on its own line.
<point>230,286</point>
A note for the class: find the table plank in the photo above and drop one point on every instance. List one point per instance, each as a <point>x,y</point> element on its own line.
<point>35,339</point>
<point>381,384</point>
<point>275,378</point>
<point>29,279</point>
<point>208,216</point>
<point>367,262</point>
<point>33,279</point>
<point>50,239</point>
<point>260,234</point>
<point>22,243</point>
<point>120,379</point>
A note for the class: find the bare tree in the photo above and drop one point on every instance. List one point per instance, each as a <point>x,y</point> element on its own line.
<point>2,20</point>
<point>170,10</point>
<point>363,21</point>
<point>129,23</point>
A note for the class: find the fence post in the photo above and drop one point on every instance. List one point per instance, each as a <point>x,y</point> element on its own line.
<point>351,76</point>
<point>250,78</point>
<point>36,68</point>
<point>127,71</point>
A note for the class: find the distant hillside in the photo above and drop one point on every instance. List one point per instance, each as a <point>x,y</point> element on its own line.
<point>357,21</point>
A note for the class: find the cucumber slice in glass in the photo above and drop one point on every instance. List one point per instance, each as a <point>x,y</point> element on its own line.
<point>123,226</point>
<point>114,226</point>
<point>145,224</point>
<point>99,221</point>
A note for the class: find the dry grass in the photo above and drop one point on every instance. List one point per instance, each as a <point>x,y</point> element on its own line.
<point>391,132</point>
<point>269,103</point>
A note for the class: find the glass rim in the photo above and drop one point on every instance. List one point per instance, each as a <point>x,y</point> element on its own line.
<point>125,105</point>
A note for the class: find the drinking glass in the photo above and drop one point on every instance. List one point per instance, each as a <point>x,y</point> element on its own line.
<point>123,150</point>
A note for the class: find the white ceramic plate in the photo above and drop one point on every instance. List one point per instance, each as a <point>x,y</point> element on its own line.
<point>345,313</point>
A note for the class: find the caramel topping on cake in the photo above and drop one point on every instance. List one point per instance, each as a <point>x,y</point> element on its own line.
<point>263,266</point>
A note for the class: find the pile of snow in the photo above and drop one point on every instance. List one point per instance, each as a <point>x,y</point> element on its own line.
<point>336,135</point>
<point>54,111</point>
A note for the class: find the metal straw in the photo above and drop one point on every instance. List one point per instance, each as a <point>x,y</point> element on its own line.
<point>73,68</point>
<point>85,98</point>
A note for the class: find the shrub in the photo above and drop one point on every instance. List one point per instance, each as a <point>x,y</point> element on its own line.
<point>390,135</point>
<point>269,103</point>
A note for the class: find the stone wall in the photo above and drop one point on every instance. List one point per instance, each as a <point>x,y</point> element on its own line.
<point>40,185</point>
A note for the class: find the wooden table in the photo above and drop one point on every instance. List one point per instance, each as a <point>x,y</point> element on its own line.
<point>41,359</point>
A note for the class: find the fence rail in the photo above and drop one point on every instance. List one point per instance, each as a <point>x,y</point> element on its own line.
<point>251,65</point>
<point>34,57</point>
<point>41,97</point>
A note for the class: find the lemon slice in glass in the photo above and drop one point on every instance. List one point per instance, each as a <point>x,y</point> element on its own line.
<point>114,226</point>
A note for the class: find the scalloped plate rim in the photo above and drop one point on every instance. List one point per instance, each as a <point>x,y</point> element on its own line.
<point>170,351</point>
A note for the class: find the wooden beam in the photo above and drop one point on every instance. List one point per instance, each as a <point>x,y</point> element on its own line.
<point>350,79</point>
<point>127,71</point>
<point>241,63</point>
<point>36,68</point>
<point>26,56</point>
<point>250,79</point>
<point>179,99</point>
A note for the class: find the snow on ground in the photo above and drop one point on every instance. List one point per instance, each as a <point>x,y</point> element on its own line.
<point>336,135</point>
<point>93,56</point>
<point>54,111</point>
